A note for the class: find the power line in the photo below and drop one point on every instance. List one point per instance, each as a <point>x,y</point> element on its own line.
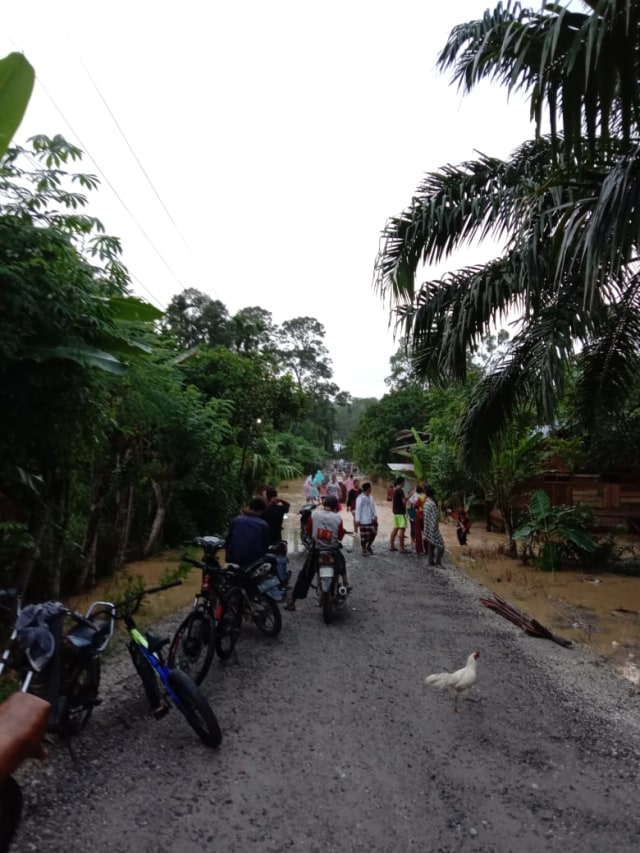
<point>107,181</point>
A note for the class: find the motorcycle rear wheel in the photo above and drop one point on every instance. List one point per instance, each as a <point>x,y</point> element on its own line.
<point>81,697</point>
<point>227,630</point>
<point>328,610</point>
<point>192,647</point>
<point>266,614</point>
<point>306,538</point>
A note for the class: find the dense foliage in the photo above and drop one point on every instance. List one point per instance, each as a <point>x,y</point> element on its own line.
<point>563,207</point>
<point>124,429</point>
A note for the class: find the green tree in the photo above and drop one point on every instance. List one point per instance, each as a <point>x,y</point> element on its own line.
<point>371,441</point>
<point>563,204</point>
<point>64,310</point>
<point>194,318</point>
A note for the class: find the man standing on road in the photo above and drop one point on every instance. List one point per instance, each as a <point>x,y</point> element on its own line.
<point>366,519</point>
<point>399,516</point>
<point>274,514</point>
<point>432,533</point>
<point>248,536</point>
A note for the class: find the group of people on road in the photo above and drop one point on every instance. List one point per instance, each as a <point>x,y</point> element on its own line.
<point>260,525</point>
<point>419,509</point>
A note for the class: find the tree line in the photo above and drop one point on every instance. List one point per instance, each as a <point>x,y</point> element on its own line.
<point>125,428</point>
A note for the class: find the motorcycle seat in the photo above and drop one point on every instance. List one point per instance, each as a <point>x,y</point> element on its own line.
<point>83,636</point>
<point>23,724</point>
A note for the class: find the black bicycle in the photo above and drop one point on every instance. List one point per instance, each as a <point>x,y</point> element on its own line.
<point>160,680</point>
<point>226,597</point>
<point>215,620</point>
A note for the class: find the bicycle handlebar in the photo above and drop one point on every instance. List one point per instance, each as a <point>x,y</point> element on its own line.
<point>153,589</point>
<point>185,558</point>
<point>136,598</point>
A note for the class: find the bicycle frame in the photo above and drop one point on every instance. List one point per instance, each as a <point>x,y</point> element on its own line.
<point>159,666</point>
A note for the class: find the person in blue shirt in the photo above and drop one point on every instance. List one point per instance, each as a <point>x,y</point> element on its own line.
<point>249,535</point>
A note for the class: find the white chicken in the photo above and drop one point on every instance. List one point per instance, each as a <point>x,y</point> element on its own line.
<point>459,681</point>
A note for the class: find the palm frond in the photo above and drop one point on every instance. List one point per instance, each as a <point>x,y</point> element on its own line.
<point>584,66</point>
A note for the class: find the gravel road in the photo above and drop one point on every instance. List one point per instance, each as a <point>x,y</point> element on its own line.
<point>331,742</point>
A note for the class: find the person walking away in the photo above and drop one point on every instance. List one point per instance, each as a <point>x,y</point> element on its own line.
<point>327,531</point>
<point>431,528</point>
<point>248,536</point>
<point>366,519</point>
<point>398,508</point>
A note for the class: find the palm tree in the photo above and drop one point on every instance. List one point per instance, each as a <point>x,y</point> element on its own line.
<point>563,205</point>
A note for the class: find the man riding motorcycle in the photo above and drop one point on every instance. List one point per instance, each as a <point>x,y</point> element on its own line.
<point>327,532</point>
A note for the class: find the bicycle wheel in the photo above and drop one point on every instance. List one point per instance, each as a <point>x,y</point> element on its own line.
<point>193,645</point>
<point>196,708</point>
<point>229,625</point>
<point>81,696</point>
<point>266,614</point>
<point>10,811</point>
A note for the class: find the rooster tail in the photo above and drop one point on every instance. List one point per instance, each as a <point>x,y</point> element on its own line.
<point>441,680</point>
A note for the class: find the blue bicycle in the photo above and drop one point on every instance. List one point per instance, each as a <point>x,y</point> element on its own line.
<point>160,682</point>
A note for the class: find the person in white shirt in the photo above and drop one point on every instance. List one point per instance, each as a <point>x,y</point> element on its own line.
<point>366,519</point>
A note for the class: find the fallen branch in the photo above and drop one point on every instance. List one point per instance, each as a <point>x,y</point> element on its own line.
<point>527,623</point>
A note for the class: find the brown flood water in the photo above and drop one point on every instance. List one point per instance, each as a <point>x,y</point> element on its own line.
<point>601,611</point>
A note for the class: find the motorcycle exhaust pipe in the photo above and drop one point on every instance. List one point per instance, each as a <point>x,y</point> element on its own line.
<point>342,592</point>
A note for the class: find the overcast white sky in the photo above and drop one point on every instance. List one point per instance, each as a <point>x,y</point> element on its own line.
<point>279,136</point>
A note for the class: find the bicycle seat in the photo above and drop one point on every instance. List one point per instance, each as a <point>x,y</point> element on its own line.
<point>23,724</point>
<point>156,643</point>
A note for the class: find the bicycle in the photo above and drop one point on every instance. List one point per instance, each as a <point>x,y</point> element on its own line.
<point>226,596</point>
<point>160,681</point>
<point>215,620</point>
<point>62,667</point>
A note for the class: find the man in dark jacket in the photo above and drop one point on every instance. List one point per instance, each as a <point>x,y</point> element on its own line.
<point>274,514</point>
<point>249,535</point>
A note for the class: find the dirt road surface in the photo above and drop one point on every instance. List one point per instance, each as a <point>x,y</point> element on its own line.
<point>333,743</point>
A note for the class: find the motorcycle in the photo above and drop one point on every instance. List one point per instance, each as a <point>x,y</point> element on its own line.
<point>305,515</point>
<point>330,587</point>
<point>58,665</point>
<point>258,584</point>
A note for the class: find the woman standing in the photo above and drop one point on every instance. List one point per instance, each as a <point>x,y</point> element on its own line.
<point>431,528</point>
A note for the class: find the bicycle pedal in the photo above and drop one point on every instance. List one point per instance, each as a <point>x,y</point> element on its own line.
<point>160,712</point>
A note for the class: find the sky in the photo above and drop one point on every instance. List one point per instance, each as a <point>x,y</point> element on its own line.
<point>254,150</point>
